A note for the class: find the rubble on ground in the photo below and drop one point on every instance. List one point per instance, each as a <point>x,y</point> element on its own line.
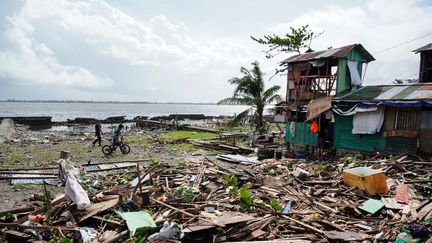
<point>213,200</point>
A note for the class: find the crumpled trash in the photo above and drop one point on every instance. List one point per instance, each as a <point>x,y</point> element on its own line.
<point>87,234</point>
<point>36,233</point>
<point>170,230</point>
<point>287,208</point>
<point>377,237</point>
<point>65,167</point>
<point>37,218</point>
<point>75,193</point>
<point>418,230</point>
<point>73,190</point>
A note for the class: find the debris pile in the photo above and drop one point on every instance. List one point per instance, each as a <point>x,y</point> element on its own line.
<point>211,200</point>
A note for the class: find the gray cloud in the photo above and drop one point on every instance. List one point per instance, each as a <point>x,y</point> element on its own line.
<point>93,50</point>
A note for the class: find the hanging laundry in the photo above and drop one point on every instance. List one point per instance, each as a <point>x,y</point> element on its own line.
<point>314,127</point>
<point>368,122</point>
<point>354,73</point>
<point>292,128</point>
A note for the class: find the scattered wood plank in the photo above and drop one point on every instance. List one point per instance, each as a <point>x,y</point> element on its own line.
<point>186,213</point>
<point>97,208</point>
<point>304,225</point>
<point>199,177</point>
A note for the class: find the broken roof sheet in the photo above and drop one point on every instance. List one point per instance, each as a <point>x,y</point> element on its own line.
<point>424,48</point>
<point>412,92</point>
<point>340,52</point>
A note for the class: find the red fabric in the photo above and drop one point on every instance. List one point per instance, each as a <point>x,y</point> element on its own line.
<point>314,127</point>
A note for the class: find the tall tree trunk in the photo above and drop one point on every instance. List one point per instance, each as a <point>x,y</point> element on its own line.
<point>260,122</point>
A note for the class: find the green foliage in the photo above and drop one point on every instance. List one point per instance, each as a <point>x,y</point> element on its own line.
<point>428,176</point>
<point>140,140</point>
<point>183,134</point>
<point>290,165</point>
<point>12,157</point>
<point>247,202</point>
<point>292,42</point>
<point>179,161</point>
<point>48,192</point>
<point>187,147</point>
<point>140,239</point>
<point>232,181</point>
<point>276,206</point>
<point>279,142</point>
<point>320,167</point>
<point>351,159</point>
<point>153,159</point>
<point>186,195</point>
<point>245,199</point>
<point>65,240</point>
<point>45,155</point>
<point>250,90</point>
<point>235,128</point>
<point>19,187</point>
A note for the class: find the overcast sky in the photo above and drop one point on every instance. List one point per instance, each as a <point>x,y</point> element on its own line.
<point>185,51</point>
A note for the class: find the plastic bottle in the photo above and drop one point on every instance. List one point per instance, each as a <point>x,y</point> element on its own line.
<point>404,237</point>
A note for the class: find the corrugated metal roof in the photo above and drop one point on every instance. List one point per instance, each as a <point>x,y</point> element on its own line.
<point>424,48</point>
<point>339,52</point>
<point>412,92</point>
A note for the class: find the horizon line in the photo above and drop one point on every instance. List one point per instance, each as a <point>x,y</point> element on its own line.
<point>108,101</point>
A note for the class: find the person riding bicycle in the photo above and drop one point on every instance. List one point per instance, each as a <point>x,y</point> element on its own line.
<point>117,136</point>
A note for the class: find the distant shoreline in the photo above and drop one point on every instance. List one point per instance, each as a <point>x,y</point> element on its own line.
<point>105,102</point>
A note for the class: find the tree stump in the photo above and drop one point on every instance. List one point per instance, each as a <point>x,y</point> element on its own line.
<point>64,155</point>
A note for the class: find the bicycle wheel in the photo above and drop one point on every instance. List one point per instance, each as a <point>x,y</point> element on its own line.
<point>124,148</point>
<point>106,149</point>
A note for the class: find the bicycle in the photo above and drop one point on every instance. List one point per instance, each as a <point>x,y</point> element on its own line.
<point>108,149</point>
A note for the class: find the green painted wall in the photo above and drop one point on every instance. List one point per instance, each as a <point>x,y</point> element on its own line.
<point>343,137</point>
<point>302,134</point>
<point>343,82</point>
<point>343,79</point>
<point>355,55</point>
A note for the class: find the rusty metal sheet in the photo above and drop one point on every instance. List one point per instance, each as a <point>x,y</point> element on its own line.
<point>411,92</point>
<point>339,52</point>
<point>420,95</point>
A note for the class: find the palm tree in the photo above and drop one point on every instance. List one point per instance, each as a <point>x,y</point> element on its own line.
<point>250,90</point>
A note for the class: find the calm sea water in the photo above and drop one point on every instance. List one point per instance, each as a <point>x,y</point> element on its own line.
<point>64,111</point>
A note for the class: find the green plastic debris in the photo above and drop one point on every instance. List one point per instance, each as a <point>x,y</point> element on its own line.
<point>372,206</point>
<point>137,222</point>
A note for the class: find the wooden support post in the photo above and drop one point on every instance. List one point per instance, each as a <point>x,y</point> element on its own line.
<point>64,155</point>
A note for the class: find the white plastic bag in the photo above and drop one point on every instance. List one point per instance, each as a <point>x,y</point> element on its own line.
<point>74,191</point>
<point>169,230</point>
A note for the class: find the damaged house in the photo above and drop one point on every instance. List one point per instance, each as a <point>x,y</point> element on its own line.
<point>325,89</point>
